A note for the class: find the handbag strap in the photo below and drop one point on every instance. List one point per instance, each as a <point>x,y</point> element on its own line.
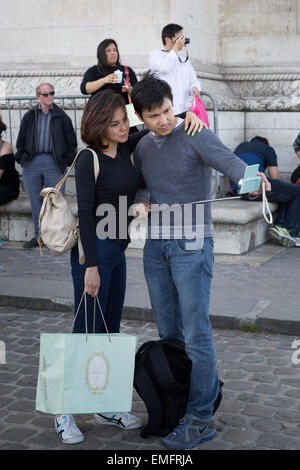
<point>96,167</point>
<point>127,80</point>
<point>85,315</point>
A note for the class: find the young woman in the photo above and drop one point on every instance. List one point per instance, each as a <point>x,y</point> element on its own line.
<point>101,77</point>
<point>9,177</point>
<point>104,232</point>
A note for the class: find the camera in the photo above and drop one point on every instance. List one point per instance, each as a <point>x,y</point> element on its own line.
<point>187,41</point>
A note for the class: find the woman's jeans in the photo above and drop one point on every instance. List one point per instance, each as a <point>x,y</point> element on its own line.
<point>112,270</point>
<point>179,281</point>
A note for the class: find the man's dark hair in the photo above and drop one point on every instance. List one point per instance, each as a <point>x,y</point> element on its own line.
<point>150,93</point>
<point>169,31</point>
<point>101,56</point>
<point>263,140</point>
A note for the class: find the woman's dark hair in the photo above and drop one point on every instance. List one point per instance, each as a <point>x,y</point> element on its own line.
<point>169,31</point>
<point>101,56</point>
<point>97,116</point>
<point>150,93</point>
<point>2,125</point>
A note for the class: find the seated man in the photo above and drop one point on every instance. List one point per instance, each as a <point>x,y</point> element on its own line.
<point>287,223</point>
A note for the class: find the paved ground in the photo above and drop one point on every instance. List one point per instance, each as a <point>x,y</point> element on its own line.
<point>260,408</point>
<point>261,404</point>
<point>259,289</point>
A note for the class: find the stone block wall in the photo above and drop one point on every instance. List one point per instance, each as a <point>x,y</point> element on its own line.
<point>245,54</point>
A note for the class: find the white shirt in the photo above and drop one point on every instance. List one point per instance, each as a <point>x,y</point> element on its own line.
<point>181,76</point>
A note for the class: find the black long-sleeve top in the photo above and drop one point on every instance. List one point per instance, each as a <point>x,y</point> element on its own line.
<point>10,176</point>
<point>92,74</point>
<point>117,177</point>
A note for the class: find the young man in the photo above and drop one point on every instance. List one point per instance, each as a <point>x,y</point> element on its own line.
<point>176,71</point>
<point>178,272</point>
<point>46,145</point>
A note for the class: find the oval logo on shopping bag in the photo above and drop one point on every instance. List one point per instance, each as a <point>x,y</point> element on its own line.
<point>97,373</point>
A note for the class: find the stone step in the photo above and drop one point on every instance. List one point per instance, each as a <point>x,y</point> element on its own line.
<point>239,225</point>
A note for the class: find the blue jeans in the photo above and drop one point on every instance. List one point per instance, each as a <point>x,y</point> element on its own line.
<point>287,195</point>
<point>41,171</point>
<point>179,282</point>
<point>112,270</point>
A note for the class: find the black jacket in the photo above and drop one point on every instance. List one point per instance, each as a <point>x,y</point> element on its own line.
<point>62,133</point>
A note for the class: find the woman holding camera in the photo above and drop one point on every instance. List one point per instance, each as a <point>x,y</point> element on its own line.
<point>102,76</point>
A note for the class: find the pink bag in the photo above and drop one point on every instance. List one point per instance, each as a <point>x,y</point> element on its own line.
<point>198,108</point>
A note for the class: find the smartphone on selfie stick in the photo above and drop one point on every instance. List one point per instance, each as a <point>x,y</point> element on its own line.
<point>251,182</point>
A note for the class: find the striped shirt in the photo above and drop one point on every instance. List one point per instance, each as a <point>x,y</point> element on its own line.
<point>44,144</point>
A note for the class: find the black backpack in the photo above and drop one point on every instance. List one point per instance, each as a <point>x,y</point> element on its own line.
<point>162,379</point>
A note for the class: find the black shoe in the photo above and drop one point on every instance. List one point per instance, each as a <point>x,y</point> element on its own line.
<point>33,243</point>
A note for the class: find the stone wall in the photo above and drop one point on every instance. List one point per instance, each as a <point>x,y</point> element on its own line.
<point>245,54</point>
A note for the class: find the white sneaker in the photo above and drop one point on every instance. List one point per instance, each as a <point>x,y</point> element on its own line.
<point>67,429</point>
<point>122,420</point>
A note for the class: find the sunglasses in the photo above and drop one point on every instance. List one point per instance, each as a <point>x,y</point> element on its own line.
<point>51,93</point>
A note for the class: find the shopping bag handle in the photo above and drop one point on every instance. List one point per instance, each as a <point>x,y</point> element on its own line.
<point>85,314</point>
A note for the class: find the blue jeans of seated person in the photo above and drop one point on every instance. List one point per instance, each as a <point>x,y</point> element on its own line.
<point>287,195</point>
<point>112,270</point>
<point>179,282</point>
<point>41,171</point>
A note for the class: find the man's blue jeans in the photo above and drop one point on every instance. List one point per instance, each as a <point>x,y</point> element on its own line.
<point>112,270</point>
<point>41,171</point>
<point>179,282</point>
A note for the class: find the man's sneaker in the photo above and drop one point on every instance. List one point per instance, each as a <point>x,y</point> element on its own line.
<point>33,243</point>
<point>282,236</point>
<point>67,429</point>
<point>122,420</point>
<point>189,433</point>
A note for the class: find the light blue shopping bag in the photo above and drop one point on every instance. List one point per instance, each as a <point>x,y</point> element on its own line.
<point>80,373</point>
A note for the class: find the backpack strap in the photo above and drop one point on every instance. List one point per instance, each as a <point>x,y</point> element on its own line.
<point>61,182</point>
<point>162,370</point>
<point>96,167</point>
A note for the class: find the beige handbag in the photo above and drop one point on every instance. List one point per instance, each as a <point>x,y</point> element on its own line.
<point>58,226</point>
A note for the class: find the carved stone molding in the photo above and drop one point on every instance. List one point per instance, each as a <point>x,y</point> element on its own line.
<point>233,92</point>
<point>261,77</point>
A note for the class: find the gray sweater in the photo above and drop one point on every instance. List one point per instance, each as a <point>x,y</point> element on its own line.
<point>177,170</point>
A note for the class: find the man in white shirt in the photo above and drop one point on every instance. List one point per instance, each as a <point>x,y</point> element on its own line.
<point>175,70</point>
